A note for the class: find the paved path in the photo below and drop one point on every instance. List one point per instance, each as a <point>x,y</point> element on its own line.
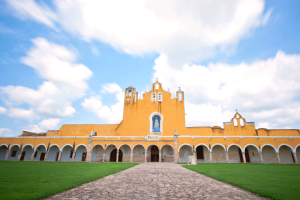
<point>156,181</point>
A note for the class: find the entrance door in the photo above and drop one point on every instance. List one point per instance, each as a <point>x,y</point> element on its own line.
<point>241,156</point>
<point>247,156</point>
<point>200,153</point>
<point>154,154</point>
<point>23,155</point>
<point>42,156</point>
<point>113,156</point>
<point>83,156</point>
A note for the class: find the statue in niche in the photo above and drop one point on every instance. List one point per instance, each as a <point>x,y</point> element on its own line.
<point>156,123</point>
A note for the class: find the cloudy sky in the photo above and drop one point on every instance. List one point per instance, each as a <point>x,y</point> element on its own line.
<point>68,62</point>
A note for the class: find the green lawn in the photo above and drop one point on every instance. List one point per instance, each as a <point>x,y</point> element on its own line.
<point>276,181</point>
<point>35,180</point>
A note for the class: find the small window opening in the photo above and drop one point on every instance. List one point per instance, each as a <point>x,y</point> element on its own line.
<point>242,122</point>
<point>235,123</point>
<point>157,86</point>
<point>180,97</point>
<point>129,92</point>
<point>153,97</point>
<point>159,97</point>
<point>13,153</point>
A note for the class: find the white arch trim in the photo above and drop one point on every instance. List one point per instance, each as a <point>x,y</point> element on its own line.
<point>202,145</point>
<point>111,144</point>
<point>161,121</point>
<point>183,145</point>
<point>54,145</point>
<point>166,145</point>
<point>98,145</point>
<point>138,144</point>
<point>216,145</point>
<point>126,145</point>
<point>270,146</point>
<point>13,146</point>
<point>297,147</point>
<point>251,145</point>
<point>237,146</point>
<point>287,146</point>
<point>81,145</point>
<point>3,145</point>
<point>65,146</point>
<point>27,145</point>
<point>151,145</point>
<point>40,145</point>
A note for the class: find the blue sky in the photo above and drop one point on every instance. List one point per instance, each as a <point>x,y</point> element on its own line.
<point>69,62</point>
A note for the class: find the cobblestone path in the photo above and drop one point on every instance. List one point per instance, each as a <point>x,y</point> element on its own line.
<point>156,181</point>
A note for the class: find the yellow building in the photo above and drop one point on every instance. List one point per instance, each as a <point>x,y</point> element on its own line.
<point>153,130</point>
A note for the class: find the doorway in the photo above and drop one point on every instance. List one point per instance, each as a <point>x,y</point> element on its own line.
<point>241,155</point>
<point>154,154</point>
<point>200,152</point>
<point>23,155</point>
<point>113,156</point>
<point>247,156</point>
<point>42,158</point>
<point>83,156</point>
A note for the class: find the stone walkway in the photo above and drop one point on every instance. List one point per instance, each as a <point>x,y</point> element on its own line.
<point>156,181</point>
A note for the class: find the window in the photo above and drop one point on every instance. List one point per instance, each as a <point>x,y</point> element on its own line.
<point>157,86</point>
<point>153,96</point>
<point>13,153</point>
<point>235,122</point>
<point>242,122</point>
<point>159,96</point>
<point>35,154</point>
<point>129,92</point>
<point>180,96</point>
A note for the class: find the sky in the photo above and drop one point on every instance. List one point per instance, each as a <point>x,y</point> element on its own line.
<point>69,62</point>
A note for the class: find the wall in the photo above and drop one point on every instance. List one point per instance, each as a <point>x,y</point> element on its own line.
<point>286,155</point>
<point>233,154</point>
<point>218,154</point>
<point>269,155</point>
<point>66,152</point>
<point>97,153</point>
<point>28,149</point>
<point>167,154</point>
<point>126,153</point>
<point>81,149</point>
<point>3,151</point>
<point>138,154</point>
<point>253,154</point>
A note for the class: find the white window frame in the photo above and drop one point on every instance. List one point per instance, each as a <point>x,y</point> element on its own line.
<point>159,97</point>
<point>153,99</point>
<point>161,121</point>
<point>180,96</point>
<point>156,86</point>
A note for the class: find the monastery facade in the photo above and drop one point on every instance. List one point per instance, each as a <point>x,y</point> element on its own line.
<point>153,130</point>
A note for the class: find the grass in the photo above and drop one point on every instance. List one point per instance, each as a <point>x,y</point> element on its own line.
<point>276,181</point>
<point>35,180</point>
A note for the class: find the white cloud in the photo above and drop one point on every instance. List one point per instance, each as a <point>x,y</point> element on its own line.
<point>65,82</point>
<point>184,31</point>
<point>5,132</point>
<point>262,91</point>
<point>2,110</point>
<point>44,125</point>
<point>111,114</point>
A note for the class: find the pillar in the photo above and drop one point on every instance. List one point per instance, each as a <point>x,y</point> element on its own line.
<point>117,159</point>
<point>176,153</point>
<point>32,156</point>
<point>59,156</point>
<point>19,157</point>
<point>244,158</point>
<point>89,150</point>
<point>295,157</point>
<point>261,157</point>
<point>46,155</point>
<point>103,159</point>
<point>73,156</point>
<point>7,154</point>
<point>227,157</point>
<point>195,156</point>
<point>210,156</point>
<point>159,155</point>
<point>278,158</point>
<point>145,155</point>
<point>131,156</point>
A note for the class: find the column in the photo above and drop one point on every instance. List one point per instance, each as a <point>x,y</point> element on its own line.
<point>195,156</point>
<point>103,159</point>
<point>59,156</point>
<point>210,156</point>
<point>73,156</point>
<point>19,157</point>
<point>46,155</point>
<point>278,158</point>
<point>244,158</point>
<point>117,159</point>
<point>89,149</point>
<point>131,156</point>
<point>7,154</point>
<point>176,153</point>
<point>159,155</point>
<point>261,157</point>
<point>32,156</point>
<point>227,157</point>
<point>145,155</point>
<point>295,157</point>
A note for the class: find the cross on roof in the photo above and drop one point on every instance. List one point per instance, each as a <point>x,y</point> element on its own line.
<point>179,88</point>
<point>236,110</point>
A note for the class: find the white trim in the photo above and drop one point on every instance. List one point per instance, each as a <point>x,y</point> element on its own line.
<point>97,145</point>
<point>111,144</point>
<point>54,145</point>
<point>123,145</point>
<point>62,149</point>
<point>216,145</point>
<point>40,145</point>
<point>251,145</point>
<point>138,144</point>
<point>183,145</point>
<point>237,146</point>
<point>268,145</point>
<point>27,145</point>
<point>293,151</point>
<point>81,145</point>
<point>202,145</point>
<point>166,145</point>
<point>13,145</point>
<point>161,122</point>
<point>151,145</point>
<point>297,147</point>
<point>160,97</point>
<point>3,145</point>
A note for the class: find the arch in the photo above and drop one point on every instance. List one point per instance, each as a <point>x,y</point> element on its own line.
<point>216,145</point>
<point>138,153</point>
<point>65,146</point>
<point>167,153</point>
<point>159,97</point>
<point>111,144</point>
<point>54,145</point>
<point>3,151</point>
<point>293,151</point>
<point>97,145</point>
<point>27,145</point>
<point>138,144</point>
<point>202,145</point>
<point>97,153</point>
<point>40,145</point>
<point>270,146</point>
<point>237,146</point>
<point>125,144</point>
<point>183,145</point>
<point>152,145</point>
<point>166,145</point>
<point>3,145</point>
<point>81,145</point>
<point>297,147</point>
<point>251,145</point>
<point>161,120</point>
<point>153,96</point>
<point>13,146</point>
